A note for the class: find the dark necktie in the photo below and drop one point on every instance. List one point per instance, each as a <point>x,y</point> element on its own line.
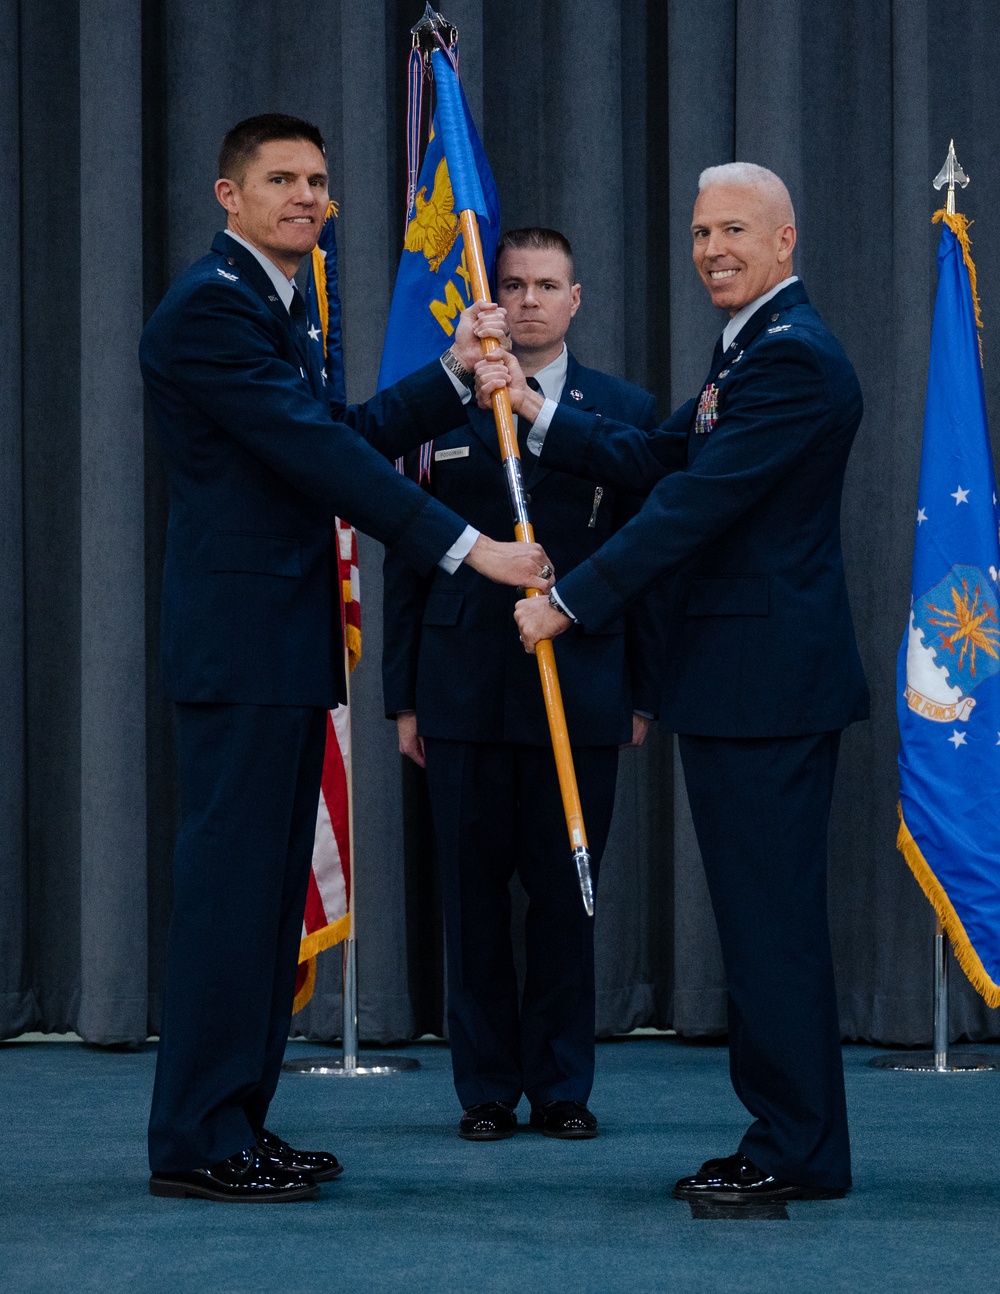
<point>524,426</point>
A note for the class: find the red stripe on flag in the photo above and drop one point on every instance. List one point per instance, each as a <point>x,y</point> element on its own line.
<point>335,796</point>
<point>315,915</point>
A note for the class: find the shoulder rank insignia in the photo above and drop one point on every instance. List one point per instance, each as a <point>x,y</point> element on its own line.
<point>780,328</point>
<point>708,410</point>
<point>233,278</point>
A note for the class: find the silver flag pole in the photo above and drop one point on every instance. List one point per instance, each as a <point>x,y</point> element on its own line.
<point>938,1061</point>
<point>351,1063</point>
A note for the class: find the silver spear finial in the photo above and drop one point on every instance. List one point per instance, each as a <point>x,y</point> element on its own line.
<point>432,32</point>
<point>951,174</point>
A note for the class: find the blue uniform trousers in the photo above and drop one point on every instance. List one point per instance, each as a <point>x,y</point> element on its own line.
<point>250,778</point>
<point>761,807</point>
<point>496,810</point>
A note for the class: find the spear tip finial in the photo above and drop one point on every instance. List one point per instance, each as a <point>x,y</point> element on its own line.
<point>951,174</point>
<point>432,29</point>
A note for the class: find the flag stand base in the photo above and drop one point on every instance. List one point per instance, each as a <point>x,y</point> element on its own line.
<point>938,1061</point>
<point>928,1062</point>
<point>351,1064</point>
<point>365,1066</point>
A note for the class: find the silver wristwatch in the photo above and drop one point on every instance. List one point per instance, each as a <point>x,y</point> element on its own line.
<point>453,364</point>
<point>557,605</point>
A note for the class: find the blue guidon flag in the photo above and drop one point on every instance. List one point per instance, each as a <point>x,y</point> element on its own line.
<point>433,283</point>
<point>948,670</point>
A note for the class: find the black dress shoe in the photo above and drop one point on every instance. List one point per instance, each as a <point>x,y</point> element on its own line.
<point>737,1180</point>
<point>242,1178</point>
<point>570,1120</point>
<point>319,1164</point>
<point>489,1122</point>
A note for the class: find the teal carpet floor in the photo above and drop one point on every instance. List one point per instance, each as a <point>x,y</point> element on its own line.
<point>419,1210</point>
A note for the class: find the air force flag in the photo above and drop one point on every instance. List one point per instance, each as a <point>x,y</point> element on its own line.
<point>948,671</point>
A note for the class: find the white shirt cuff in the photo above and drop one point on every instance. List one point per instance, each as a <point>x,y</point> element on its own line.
<point>459,550</point>
<point>552,591</point>
<point>465,395</point>
<point>536,436</point>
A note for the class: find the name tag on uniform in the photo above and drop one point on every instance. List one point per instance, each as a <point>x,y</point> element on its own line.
<point>442,455</point>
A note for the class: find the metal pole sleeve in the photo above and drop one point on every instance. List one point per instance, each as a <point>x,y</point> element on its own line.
<point>940,999</point>
<point>544,653</point>
<point>349,1029</point>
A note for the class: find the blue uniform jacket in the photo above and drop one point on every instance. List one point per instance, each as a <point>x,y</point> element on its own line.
<point>257,468</point>
<point>451,645</point>
<point>744,490</point>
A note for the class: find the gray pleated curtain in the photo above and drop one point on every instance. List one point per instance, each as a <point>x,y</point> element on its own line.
<point>597,119</point>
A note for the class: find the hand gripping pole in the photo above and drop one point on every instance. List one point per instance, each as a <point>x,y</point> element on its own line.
<point>468,198</point>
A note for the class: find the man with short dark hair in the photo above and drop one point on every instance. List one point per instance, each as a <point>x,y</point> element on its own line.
<point>761,671</point>
<point>468,705</point>
<point>252,645</point>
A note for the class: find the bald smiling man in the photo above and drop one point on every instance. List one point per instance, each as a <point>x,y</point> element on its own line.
<point>762,672</point>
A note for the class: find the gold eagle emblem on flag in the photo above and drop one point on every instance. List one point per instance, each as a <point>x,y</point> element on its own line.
<point>434,227</point>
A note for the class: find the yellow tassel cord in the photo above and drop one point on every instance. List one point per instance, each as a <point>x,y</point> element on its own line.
<point>352,633</point>
<point>309,950</point>
<point>965,954</point>
<point>319,275</point>
<point>959,226</point>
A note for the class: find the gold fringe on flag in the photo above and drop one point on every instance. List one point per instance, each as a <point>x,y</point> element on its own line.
<point>965,954</point>
<point>319,274</point>
<point>310,948</point>
<point>353,637</point>
<point>959,226</point>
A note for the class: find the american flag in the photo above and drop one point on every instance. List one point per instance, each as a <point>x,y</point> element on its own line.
<point>327,917</point>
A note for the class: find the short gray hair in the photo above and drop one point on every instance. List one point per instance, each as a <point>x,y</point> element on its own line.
<point>749,175</point>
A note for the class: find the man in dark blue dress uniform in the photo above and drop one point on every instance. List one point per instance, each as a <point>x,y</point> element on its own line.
<point>252,646</point>
<point>468,704</point>
<point>761,666</point>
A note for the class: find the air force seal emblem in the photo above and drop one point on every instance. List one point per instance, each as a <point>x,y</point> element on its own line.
<point>953,645</point>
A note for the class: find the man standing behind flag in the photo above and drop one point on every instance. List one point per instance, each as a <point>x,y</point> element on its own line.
<point>948,693</point>
<point>469,708</point>
<point>253,654</point>
<point>762,668</point>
